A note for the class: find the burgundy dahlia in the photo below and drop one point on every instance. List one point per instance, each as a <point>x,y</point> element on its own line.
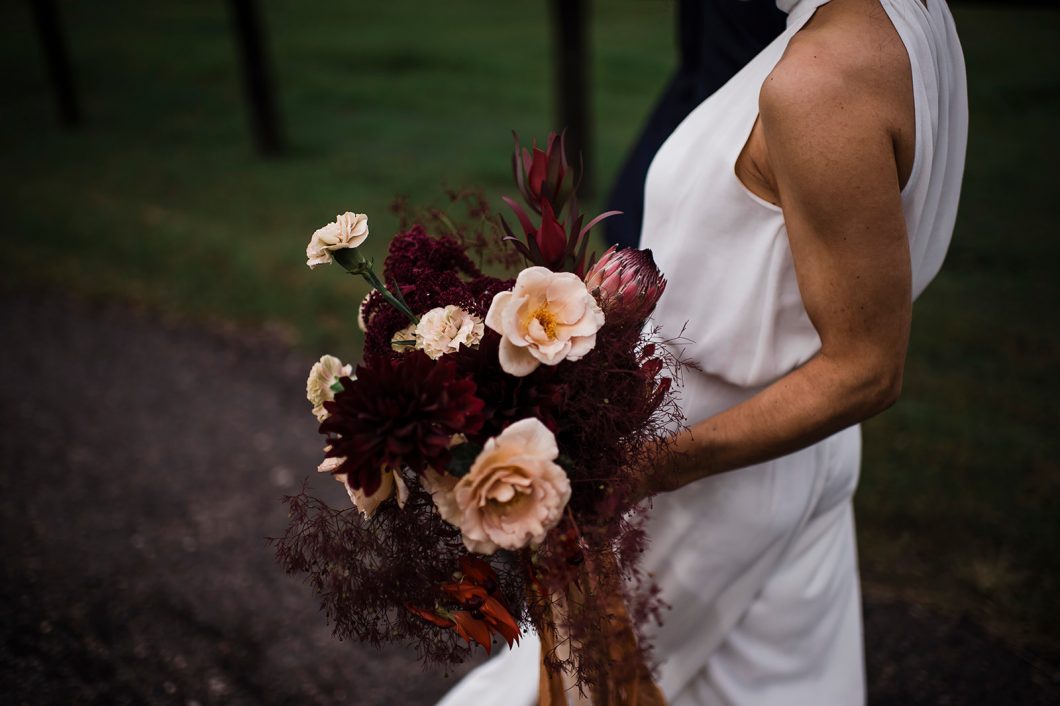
<point>627,283</point>
<point>399,412</point>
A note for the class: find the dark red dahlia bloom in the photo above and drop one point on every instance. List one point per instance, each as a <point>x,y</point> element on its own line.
<point>508,398</point>
<point>399,412</point>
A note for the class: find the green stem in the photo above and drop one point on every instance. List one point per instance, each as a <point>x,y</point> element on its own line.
<point>398,304</point>
<point>356,264</point>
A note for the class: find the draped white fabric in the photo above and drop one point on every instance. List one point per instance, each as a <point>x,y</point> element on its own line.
<point>759,565</point>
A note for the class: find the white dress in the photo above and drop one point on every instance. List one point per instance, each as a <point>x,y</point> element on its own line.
<point>759,565</point>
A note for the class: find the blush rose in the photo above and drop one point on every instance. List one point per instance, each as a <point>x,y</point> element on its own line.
<point>548,317</point>
<point>513,494</point>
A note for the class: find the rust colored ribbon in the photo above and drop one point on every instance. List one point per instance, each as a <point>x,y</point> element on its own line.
<point>621,686</point>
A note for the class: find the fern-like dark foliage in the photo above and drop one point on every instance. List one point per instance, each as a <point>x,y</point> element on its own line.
<point>366,571</point>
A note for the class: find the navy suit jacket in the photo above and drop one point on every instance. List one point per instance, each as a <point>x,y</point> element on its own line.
<point>716,39</point>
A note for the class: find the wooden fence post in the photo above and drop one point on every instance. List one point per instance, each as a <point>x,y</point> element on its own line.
<point>571,66</point>
<point>57,59</point>
<point>257,76</point>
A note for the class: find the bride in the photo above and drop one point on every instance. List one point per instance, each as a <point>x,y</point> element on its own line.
<point>797,213</point>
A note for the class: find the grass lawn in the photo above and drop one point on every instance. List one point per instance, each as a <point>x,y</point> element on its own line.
<point>160,200</point>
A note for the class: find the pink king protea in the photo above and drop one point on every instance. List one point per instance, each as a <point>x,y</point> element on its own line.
<point>627,284</point>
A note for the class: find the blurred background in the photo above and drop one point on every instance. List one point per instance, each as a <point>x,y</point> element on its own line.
<point>158,321</point>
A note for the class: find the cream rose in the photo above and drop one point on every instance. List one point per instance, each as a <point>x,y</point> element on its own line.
<point>324,373</point>
<point>445,329</point>
<point>368,504</point>
<point>513,494</point>
<point>548,317</point>
<point>348,231</point>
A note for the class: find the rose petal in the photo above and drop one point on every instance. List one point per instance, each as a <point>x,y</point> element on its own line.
<point>580,346</point>
<point>568,298</point>
<point>534,278</point>
<point>552,354</point>
<point>533,439</point>
<point>496,311</point>
<point>515,360</point>
<point>589,324</point>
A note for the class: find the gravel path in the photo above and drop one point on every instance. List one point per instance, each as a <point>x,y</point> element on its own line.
<point>142,469</point>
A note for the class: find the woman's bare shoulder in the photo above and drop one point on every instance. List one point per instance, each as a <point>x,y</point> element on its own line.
<point>849,54</point>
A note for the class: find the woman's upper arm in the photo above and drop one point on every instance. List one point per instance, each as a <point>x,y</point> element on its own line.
<point>831,151</point>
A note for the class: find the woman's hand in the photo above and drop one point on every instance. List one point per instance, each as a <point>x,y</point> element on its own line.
<point>666,471</point>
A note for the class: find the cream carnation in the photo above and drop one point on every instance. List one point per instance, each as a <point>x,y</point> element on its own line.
<point>445,329</point>
<point>362,323</point>
<point>368,504</point>
<point>513,494</point>
<point>348,230</point>
<point>324,373</point>
<point>548,317</point>
<point>404,339</point>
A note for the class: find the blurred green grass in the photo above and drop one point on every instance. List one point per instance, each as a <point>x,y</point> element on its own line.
<point>160,200</point>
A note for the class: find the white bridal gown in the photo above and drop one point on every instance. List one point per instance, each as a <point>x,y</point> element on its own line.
<point>759,565</point>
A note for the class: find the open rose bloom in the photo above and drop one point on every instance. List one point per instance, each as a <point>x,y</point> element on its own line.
<point>513,494</point>
<point>491,435</point>
<point>547,318</point>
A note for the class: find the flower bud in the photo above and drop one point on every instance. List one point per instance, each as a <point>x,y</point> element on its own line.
<point>627,284</point>
<point>543,175</point>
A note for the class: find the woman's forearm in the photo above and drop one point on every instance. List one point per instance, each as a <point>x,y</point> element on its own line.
<point>807,405</point>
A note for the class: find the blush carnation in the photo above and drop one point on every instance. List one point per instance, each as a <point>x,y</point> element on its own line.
<point>322,377</point>
<point>348,230</point>
<point>444,329</point>
<point>405,339</point>
<point>513,494</point>
<point>362,320</point>
<point>399,413</point>
<point>391,482</point>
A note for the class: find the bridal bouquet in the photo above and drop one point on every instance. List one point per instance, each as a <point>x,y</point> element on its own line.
<point>490,437</point>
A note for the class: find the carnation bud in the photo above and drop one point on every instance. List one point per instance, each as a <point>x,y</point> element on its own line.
<point>627,283</point>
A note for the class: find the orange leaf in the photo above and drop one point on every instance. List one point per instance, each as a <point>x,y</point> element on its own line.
<point>477,571</point>
<point>500,620</point>
<point>471,629</point>
<point>429,616</point>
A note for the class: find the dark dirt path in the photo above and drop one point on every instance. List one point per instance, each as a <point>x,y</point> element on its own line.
<point>142,468</point>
